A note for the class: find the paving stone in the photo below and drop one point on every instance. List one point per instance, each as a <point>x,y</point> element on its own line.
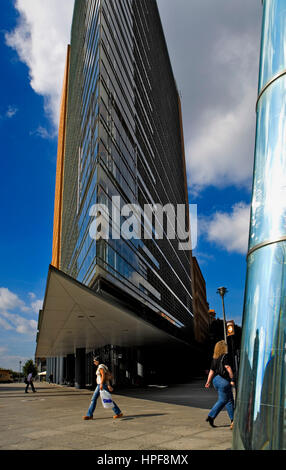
<point>154,419</point>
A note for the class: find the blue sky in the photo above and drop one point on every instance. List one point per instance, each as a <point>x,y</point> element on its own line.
<point>26,195</point>
<point>219,138</point>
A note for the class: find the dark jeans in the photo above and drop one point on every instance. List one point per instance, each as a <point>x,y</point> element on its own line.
<point>27,386</point>
<point>225,397</point>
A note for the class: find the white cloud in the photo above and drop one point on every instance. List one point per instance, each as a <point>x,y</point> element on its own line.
<point>217,156</point>
<point>11,111</point>
<point>9,361</point>
<point>37,305</point>
<point>12,321</point>
<point>10,301</point>
<point>40,39</point>
<point>5,324</point>
<point>43,133</point>
<point>203,258</point>
<point>221,151</point>
<point>11,307</point>
<point>228,230</point>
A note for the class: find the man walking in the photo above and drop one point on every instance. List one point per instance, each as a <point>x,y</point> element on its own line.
<point>30,382</point>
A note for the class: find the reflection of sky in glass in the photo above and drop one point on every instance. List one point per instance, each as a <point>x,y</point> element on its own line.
<point>261,405</point>
<point>260,372</point>
<point>268,218</point>
<point>259,291</point>
<point>273,52</point>
<point>266,290</point>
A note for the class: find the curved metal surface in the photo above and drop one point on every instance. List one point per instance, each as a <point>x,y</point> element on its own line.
<point>267,242</point>
<point>273,51</point>
<point>280,74</point>
<point>261,398</point>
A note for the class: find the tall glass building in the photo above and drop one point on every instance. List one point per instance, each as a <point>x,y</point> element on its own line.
<point>260,420</point>
<point>120,143</point>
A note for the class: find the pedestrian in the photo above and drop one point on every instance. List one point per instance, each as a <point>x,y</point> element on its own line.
<point>103,383</point>
<point>222,376</point>
<point>51,378</point>
<point>30,382</point>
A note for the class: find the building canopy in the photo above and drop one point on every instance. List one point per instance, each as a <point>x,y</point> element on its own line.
<point>75,316</point>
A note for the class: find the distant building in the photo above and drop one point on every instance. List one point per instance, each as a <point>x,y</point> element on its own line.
<point>5,376</point>
<point>212,315</point>
<point>200,304</point>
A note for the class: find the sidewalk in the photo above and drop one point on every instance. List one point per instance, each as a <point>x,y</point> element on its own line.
<point>171,418</point>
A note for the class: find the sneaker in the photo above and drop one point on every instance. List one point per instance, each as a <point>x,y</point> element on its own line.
<point>86,418</point>
<point>118,416</point>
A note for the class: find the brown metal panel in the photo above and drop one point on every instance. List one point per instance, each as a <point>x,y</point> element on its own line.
<point>56,255</point>
<point>185,174</point>
<point>183,153</point>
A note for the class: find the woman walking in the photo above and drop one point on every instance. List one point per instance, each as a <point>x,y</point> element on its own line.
<point>222,377</point>
<point>102,384</point>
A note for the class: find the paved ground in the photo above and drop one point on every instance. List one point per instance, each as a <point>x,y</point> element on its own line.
<point>171,418</point>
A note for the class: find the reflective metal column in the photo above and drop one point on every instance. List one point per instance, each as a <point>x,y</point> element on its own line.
<point>260,411</point>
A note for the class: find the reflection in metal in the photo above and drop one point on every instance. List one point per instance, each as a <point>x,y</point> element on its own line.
<point>267,242</point>
<point>260,420</point>
<point>268,84</point>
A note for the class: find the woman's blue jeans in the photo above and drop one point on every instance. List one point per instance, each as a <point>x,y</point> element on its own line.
<point>225,398</point>
<point>95,396</point>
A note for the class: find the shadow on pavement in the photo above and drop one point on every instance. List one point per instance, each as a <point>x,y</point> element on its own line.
<point>19,388</point>
<point>193,394</point>
<point>39,394</point>
<point>127,417</point>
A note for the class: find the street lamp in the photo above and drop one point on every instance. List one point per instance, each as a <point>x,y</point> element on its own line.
<point>20,362</point>
<point>222,291</point>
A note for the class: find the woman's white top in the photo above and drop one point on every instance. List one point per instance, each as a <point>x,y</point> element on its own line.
<point>98,374</point>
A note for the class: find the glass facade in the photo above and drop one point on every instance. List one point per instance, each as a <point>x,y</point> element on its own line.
<point>123,140</point>
<point>260,421</point>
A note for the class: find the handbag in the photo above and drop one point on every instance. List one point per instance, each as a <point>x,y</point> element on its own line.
<point>107,373</point>
<point>221,369</point>
<point>106,399</point>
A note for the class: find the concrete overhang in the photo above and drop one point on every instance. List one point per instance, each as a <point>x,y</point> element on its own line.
<point>75,316</point>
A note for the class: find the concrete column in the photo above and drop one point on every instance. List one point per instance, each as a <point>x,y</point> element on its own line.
<point>49,368</point>
<point>61,369</point>
<point>54,368</point>
<point>80,368</point>
<point>140,368</point>
<point>70,368</point>
<point>57,370</point>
